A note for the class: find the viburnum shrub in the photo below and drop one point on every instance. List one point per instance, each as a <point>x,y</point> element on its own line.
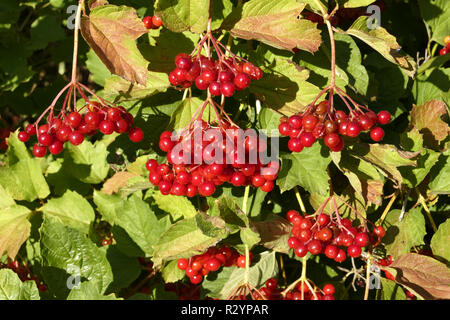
<point>224,150</point>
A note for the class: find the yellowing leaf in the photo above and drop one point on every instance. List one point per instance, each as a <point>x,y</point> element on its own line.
<point>14,229</point>
<point>275,23</point>
<point>111,31</point>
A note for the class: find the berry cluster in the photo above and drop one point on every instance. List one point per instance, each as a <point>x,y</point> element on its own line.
<point>24,273</point>
<point>445,49</point>
<point>320,122</point>
<point>201,265</point>
<point>181,175</point>
<point>220,77</point>
<point>4,133</point>
<point>74,126</point>
<point>303,292</point>
<point>152,22</point>
<point>108,240</point>
<point>322,234</point>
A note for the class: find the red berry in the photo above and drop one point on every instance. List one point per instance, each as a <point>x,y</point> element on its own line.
<point>227,89</point>
<point>206,189</point>
<point>74,119</point>
<point>271,284</point>
<point>76,138</point>
<point>284,128</point>
<point>241,81</point>
<point>379,231</point>
<point>23,136</point>
<point>45,139</point>
<point>106,127</point>
<point>136,134</point>
<point>328,289</point>
<point>213,264</point>
<point>295,145</point>
<point>384,117</point>
<point>354,251</point>
<point>267,186</point>
<point>214,88</point>
<point>307,139</point>
<point>30,129</point>
<point>156,21</point>
<point>295,121</point>
<point>56,147</point>
<point>39,151</point>
<point>377,134</point>
<point>361,239</point>
<point>148,22</point>
<point>353,129</point>
<point>196,279</point>
<point>300,250</point>
<point>444,51</point>
<point>309,122</point>
<point>151,164</point>
<point>331,251</point>
<point>331,140</point>
<point>315,247</point>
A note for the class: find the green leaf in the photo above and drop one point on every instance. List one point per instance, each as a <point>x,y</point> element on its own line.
<point>284,86</point>
<point>111,31</point>
<point>87,162</point>
<point>125,269</point>
<point>176,206</point>
<point>5,199</point>
<point>186,110</point>
<point>171,273</point>
<point>440,241</point>
<point>230,212</point>
<point>250,237</point>
<point>390,290</point>
<point>349,70</point>
<point>229,278</point>
<point>182,239</point>
<point>415,175</point>
<point>440,175</point>
<point>44,30</point>
<point>169,45</point>
<point>72,210</point>
<point>363,177</point>
<point>355,3</point>
<point>179,16</point>
<point>133,215</point>
<point>431,85</point>
<point>269,120</point>
<point>383,42</point>
<point>401,236</point>
<point>65,252</point>
<point>385,158</point>
<point>436,14</point>
<point>211,226</point>
<point>13,180</point>
<point>156,82</point>
<point>307,169</point>
<point>12,288</point>
<point>14,229</point>
<point>99,72</point>
<point>275,23</point>
<point>89,291</point>
<point>17,150</point>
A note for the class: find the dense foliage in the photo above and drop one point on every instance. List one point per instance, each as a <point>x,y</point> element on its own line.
<point>96,203</point>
